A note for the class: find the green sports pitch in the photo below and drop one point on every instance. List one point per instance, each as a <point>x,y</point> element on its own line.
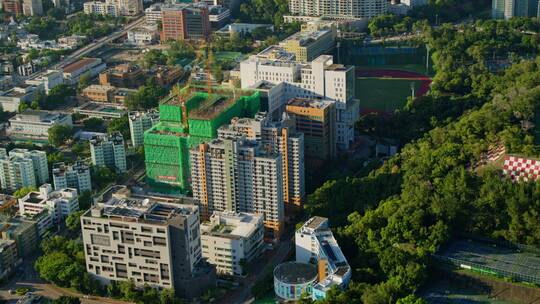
<point>384,94</point>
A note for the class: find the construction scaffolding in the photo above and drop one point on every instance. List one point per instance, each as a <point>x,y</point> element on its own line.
<point>187,118</point>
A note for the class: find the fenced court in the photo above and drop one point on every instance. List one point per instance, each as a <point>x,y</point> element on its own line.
<point>385,90</point>
<point>519,263</point>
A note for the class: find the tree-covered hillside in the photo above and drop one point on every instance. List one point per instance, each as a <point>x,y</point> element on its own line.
<point>390,221</point>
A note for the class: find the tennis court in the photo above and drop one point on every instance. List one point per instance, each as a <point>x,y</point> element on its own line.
<point>494,259</point>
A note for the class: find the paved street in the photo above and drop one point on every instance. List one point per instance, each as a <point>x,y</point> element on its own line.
<point>259,269</point>
<point>92,46</point>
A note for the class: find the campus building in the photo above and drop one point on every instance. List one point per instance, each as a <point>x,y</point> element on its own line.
<point>107,8</point>
<point>316,244</point>
<point>314,39</point>
<point>185,22</point>
<point>13,7</point>
<point>281,138</point>
<point>76,176</point>
<point>109,151</point>
<point>320,79</point>
<point>23,168</point>
<point>239,175</point>
<point>24,232</point>
<point>86,66</point>
<point>316,119</point>
<point>123,75</point>
<point>57,204</point>
<point>32,7</point>
<point>9,258</point>
<point>34,125</point>
<point>230,240</point>
<point>506,9</point>
<point>339,9</point>
<point>139,122</point>
<point>148,240</point>
<point>186,120</point>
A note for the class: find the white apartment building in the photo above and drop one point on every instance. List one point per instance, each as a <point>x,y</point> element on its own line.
<point>239,175</point>
<point>109,151</point>
<point>107,8</point>
<point>39,162</point>
<point>281,138</point>
<point>12,98</point>
<point>130,7</point>
<point>143,35</point>
<point>16,172</point>
<point>316,244</point>
<point>76,176</point>
<point>48,81</point>
<point>230,240</point>
<point>140,122</point>
<point>148,240</point>
<point>35,124</point>
<point>58,204</point>
<point>339,9</point>
<point>153,14</point>
<point>320,78</point>
<point>32,7</point>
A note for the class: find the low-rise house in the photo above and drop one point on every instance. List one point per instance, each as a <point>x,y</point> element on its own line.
<point>34,124</point>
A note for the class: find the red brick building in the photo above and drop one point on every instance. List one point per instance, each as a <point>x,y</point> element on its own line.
<point>12,7</point>
<point>185,22</point>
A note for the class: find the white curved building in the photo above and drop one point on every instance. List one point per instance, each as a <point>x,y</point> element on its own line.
<point>291,279</point>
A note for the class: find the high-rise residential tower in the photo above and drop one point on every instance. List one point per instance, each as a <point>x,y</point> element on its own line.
<point>239,175</point>
<point>109,151</point>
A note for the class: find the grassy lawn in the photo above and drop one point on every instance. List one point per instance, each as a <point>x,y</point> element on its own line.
<point>384,94</point>
<point>228,56</point>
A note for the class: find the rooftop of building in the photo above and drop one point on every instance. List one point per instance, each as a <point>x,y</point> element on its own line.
<point>116,138</point>
<point>123,68</point>
<point>125,207</point>
<point>38,116</point>
<point>14,225</point>
<point>304,38</point>
<point>99,88</point>
<point>295,273</point>
<point>152,113</point>
<point>316,222</point>
<point>276,52</point>
<point>231,225</point>
<point>77,65</point>
<point>101,107</point>
<point>46,193</point>
<point>184,6</point>
<point>59,169</point>
<point>310,103</point>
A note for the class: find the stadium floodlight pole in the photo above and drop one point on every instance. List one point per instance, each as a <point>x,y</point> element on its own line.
<point>427,58</point>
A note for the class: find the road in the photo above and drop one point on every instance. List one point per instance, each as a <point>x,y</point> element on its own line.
<point>91,47</point>
<point>27,277</point>
<point>259,269</point>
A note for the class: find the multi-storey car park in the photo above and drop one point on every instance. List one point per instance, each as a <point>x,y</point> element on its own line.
<point>187,119</point>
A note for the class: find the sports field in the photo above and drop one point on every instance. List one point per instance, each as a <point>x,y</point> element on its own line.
<point>385,90</point>
<point>494,260</point>
<point>228,56</point>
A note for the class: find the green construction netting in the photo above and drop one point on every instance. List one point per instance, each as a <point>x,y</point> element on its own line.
<point>167,146</point>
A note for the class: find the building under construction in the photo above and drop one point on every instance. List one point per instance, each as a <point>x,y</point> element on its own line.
<point>187,118</point>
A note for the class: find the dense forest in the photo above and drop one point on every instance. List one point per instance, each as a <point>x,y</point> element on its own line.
<point>486,92</point>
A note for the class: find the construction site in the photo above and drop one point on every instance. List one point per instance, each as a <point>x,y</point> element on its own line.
<point>188,117</point>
